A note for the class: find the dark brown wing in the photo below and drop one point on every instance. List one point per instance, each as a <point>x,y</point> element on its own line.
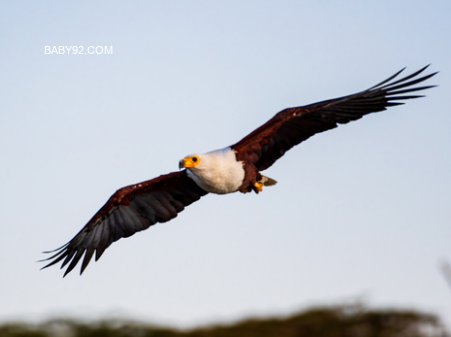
<point>291,126</point>
<point>131,209</point>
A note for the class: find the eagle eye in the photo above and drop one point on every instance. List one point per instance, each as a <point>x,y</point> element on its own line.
<point>194,159</point>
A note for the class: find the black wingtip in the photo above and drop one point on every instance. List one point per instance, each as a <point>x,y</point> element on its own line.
<point>388,79</point>
<point>53,251</point>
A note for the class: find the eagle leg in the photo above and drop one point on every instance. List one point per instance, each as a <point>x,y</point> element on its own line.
<point>246,189</point>
<point>256,185</point>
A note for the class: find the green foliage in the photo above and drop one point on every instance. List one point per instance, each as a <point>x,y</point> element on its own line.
<point>320,322</point>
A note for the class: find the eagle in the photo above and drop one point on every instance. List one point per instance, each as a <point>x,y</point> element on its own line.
<point>234,168</point>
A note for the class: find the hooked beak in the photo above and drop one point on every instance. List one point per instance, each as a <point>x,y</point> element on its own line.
<point>182,164</point>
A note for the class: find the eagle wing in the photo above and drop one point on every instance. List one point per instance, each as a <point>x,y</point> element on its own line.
<point>131,209</point>
<point>292,126</point>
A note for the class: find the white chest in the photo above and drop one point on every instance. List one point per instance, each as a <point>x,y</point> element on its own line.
<point>218,172</point>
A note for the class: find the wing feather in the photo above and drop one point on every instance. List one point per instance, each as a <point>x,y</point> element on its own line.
<point>131,209</point>
<point>291,126</point>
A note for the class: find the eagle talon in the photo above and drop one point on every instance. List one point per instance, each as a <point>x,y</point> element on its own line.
<point>258,187</point>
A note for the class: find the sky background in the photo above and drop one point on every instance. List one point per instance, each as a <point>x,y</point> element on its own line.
<point>360,213</point>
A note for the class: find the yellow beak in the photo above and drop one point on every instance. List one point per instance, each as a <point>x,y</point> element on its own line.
<point>188,162</point>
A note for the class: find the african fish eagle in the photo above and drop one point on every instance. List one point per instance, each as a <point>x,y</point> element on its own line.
<point>235,168</point>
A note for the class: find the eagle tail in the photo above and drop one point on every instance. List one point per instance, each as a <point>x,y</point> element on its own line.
<point>267,181</point>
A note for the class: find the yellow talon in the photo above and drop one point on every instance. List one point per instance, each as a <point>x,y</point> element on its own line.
<point>258,187</point>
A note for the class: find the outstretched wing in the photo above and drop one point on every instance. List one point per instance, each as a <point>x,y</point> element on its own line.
<point>291,126</point>
<point>131,209</point>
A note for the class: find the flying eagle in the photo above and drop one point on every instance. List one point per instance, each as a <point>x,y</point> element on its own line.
<point>235,168</point>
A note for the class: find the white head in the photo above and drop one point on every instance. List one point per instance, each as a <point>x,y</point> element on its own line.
<point>217,171</point>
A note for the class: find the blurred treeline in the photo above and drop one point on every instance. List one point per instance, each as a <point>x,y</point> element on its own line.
<point>347,321</point>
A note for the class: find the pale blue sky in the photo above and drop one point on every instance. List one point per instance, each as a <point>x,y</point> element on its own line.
<point>360,213</point>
